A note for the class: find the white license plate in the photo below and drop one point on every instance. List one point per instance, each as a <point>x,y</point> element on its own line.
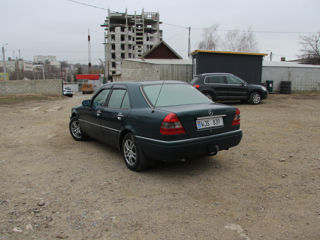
<point>209,122</point>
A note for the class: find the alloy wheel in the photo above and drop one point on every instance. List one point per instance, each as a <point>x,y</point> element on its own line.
<point>75,129</point>
<point>130,152</point>
<point>256,98</point>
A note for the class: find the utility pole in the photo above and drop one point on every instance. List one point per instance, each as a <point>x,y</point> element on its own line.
<point>43,72</point>
<point>4,62</point>
<point>89,52</point>
<point>106,64</point>
<point>270,55</point>
<point>189,28</point>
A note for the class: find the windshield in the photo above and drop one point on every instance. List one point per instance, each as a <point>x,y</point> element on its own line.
<point>173,94</point>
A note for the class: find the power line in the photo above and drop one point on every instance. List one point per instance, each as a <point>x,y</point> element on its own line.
<point>88,5</point>
<point>197,28</point>
<point>230,30</point>
<point>175,25</point>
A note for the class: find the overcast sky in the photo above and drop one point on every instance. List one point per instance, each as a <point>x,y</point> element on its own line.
<point>60,27</point>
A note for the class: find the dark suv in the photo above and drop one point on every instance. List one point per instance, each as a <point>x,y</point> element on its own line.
<point>226,86</point>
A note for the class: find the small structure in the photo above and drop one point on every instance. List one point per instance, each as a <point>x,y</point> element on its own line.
<point>92,80</point>
<point>155,69</point>
<point>247,66</point>
<point>161,51</point>
<point>303,77</point>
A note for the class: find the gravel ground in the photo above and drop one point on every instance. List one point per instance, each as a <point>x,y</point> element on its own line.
<point>268,187</point>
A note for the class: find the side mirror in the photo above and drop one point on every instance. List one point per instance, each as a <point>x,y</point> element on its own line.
<point>86,103</point>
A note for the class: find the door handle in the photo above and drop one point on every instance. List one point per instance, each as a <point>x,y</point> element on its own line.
<point>98,112</point>
<point>120,116</point>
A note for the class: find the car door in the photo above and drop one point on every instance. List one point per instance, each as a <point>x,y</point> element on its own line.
<point>90,116</point>
<point>114,114</point>
<point>237,88</point>
<point>218,85</point>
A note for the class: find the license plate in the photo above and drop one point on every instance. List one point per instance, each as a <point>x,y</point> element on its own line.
<point>209,122</point>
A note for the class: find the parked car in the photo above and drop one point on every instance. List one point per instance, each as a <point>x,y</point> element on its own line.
<point>226,86</point>
<point>156,120</point>
<point>67,91</point>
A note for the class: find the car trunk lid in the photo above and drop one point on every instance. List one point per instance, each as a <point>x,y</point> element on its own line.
<point>204,119</point>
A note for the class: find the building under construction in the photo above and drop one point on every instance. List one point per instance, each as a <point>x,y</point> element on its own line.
<point>129,36</point>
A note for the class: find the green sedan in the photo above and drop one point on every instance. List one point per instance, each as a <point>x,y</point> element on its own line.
<point>156,121</point>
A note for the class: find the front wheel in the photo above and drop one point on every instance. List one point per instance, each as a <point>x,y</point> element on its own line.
<point>255,98</point>
<point>132,155</point>
<point>75,130</point>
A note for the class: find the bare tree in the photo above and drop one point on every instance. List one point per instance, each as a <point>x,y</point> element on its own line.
<point>235,40</point>
<point>310,52</point>
<point>210,38</point>
<point>240,41</point>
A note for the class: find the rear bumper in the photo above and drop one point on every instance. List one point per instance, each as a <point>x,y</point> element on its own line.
<point>172,150</point>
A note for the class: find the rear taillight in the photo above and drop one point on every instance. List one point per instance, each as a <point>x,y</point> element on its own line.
<point>196,85</point>
<point>171,125</point>
<point>236,119</point>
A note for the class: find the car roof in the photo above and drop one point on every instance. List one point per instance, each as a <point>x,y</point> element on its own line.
<point>215,73</point>
<point>144,83</point>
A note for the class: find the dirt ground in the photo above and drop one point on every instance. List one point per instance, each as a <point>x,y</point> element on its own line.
<point>268,187</point>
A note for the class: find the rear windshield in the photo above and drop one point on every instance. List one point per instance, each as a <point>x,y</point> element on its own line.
<point>173,94</point>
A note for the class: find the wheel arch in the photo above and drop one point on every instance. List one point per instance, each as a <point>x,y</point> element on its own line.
<point>255,90</point>
<point>74,114</point>
<point>212,93</point>
<point>121,136</point>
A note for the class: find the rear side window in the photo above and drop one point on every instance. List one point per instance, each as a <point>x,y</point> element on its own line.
<point>174,94</point>
<point>125,103</point>
<point>215,79</point>
<point>116,98</point>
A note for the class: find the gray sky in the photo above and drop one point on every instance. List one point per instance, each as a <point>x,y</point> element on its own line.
<point>60,27</point>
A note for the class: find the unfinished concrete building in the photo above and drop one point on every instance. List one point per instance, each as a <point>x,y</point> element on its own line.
<point>129,36</point>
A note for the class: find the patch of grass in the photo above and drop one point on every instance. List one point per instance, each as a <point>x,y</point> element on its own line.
<point>14,99</point>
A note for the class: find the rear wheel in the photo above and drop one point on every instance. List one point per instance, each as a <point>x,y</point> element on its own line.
<point>208,95</point>
<point>255,98</point>
<point>132,154</point>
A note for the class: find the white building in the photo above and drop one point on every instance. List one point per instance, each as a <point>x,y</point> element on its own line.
<point>43,59</point>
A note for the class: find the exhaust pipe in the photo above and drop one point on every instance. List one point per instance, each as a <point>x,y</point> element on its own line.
<point>215,150</point>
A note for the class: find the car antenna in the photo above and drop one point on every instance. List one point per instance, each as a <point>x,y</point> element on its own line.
<point>155,104</point>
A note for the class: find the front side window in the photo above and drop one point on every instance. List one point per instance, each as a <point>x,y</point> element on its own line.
<point>116,98</point>
<point>233,80</point>
<point>173,94</point>
<point>101,98</point>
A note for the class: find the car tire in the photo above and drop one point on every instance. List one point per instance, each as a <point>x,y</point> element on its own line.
<point>132,154</point>
<point>75,130</point>
<point>255,98</point>
<point>208,95</point>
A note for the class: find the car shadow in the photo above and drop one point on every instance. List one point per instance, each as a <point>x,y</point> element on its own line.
<point>180,168</point>
<point>234,102</point>
<point>188,167</point>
